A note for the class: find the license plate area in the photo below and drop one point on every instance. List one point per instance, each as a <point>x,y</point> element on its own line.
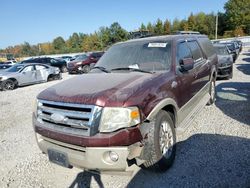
<point>59,158</point>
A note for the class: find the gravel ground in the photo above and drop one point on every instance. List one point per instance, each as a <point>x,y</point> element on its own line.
<point>214,151</point>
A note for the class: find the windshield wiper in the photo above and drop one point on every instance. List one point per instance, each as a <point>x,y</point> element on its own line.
<point>131,69</point>
<point>103,69</point>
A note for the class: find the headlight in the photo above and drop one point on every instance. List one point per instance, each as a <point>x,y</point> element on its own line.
<point>116,118</point>
<point>79,63</point>
<point>37,107</point>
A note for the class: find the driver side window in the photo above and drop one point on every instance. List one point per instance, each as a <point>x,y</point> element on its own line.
<point>183,52</point>
<point>28,69</point>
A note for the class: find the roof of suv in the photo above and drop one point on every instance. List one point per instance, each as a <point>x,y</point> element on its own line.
<point>165,37</point>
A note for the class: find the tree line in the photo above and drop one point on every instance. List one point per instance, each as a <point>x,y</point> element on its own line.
<point>234,22</point>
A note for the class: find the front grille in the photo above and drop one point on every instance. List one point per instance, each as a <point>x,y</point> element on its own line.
<point>77,119</point>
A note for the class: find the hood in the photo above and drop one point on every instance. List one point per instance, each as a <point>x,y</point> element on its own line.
<point>225,59</point>
<point>112,89</point>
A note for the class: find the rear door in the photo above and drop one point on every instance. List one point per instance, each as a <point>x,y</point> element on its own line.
<point>201,67</point>
<point>41,73</point>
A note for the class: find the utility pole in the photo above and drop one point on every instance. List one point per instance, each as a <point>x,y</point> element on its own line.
<point>216,26</point>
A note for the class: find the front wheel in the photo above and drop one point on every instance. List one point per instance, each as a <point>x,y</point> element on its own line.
<point>161,148</point>
<point>212,92</point>
<point>8,85</point>
<point>64,69</point>
<point>85,68</point>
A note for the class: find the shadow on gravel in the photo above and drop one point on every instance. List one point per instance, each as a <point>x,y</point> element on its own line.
<point>203,160</point>
<point>246,59</point>
<point>245,68</point>
<point>84,178</point>
<point>233,99</point>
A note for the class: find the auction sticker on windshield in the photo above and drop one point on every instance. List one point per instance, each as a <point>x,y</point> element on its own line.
<point>157,45</point>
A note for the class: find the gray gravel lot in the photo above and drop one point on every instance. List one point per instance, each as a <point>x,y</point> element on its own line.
<point>214,151</point>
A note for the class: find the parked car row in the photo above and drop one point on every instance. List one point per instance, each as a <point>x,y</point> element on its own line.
<point>60,63</point>
<point>82,63</point>
<point>27,74</point>
<point>227,52</point>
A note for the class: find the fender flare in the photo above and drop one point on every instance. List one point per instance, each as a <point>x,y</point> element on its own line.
<point>161,105</point>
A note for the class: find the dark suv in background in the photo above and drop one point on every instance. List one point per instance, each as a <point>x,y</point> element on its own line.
<point>82,64</point>
<point>60,63</point>
<point>133,103</point>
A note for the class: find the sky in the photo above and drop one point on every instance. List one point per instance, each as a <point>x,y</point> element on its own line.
<point>38,21</point>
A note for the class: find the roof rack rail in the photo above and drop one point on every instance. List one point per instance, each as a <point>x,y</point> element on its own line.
<point>187,33</point>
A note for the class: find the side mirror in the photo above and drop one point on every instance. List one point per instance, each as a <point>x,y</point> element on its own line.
<point>186,64</point>
<point>92,58</point>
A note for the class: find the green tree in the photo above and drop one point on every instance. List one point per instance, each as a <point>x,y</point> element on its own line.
<point>143,27</point>
<point>117,33</point>
<point>158,27</point>
<point>167,27</point>
<point>192,22</point>
<point>59,45</point>
<point>150,27</point>
<point>176,26</point>
<point>238,14</point>
<point>74,43</point>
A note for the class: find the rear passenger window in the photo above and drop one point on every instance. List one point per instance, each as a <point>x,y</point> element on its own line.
<point>196,51</point>
<point>207,46</point>
<point>183,52</point>
<point>40,67</point>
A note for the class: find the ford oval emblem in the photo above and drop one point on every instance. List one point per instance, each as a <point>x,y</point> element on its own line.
<point>57,117</point>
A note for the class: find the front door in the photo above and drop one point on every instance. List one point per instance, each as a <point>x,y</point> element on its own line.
<point>28,75</point>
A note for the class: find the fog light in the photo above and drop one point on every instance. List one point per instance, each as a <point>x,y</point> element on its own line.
<point>113,156</point>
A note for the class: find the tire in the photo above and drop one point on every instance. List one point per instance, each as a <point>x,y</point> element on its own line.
<point>231,75</point>
<point>8,85</point>
<point>64,69</point>
<point>160,156</point>
<point>212,92</point>
<point>85,68</point>
<point>50,78</point>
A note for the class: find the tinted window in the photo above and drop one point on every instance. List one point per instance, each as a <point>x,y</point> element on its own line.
<point>146,55</point>
<point>207,46</point>
<point>195,49</point>
<point>28,68</point>
<point>15,68</point>
<point>82,57</point>
<point>221,50</point>
<point>40,67</point>
<point>183,52</point>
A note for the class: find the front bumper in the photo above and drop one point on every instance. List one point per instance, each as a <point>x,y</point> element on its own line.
<point>90,158</point>
<point>74,68</point>
<point>225,71</point>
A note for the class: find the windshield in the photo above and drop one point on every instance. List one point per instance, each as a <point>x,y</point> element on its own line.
<point>221,50</point>
<point>82,57</point>
<point>231,46</point>
<point>15,68</point>
<point>144,55</point>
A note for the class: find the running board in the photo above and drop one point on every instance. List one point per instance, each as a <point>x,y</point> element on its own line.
<point>186,122</point>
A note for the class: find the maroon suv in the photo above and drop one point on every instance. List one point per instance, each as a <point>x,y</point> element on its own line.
<point>130,107</point>
<point>83,62</point>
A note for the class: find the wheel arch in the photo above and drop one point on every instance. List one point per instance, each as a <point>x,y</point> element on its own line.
<point>168,105</point>
<point>14,80</point>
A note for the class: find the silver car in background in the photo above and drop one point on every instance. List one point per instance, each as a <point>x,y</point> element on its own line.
<point>27,74</point>
<point>225,61</point>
